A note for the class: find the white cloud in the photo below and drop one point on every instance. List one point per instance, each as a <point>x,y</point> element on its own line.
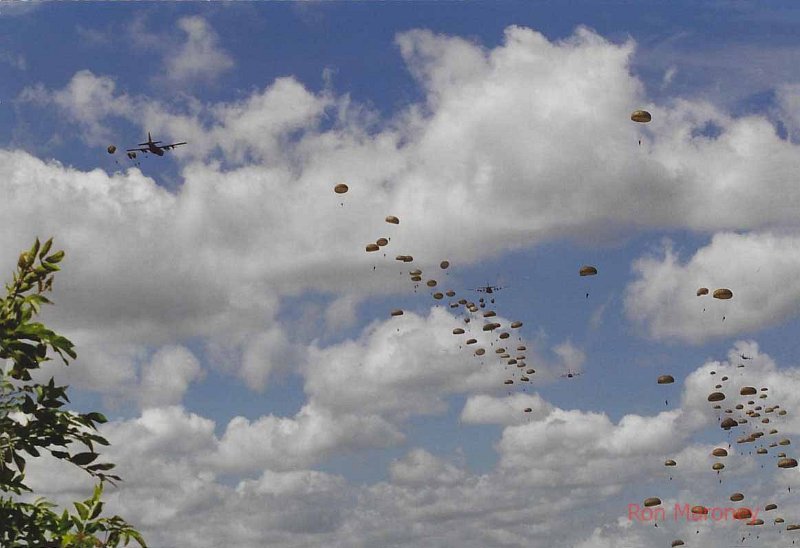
<point>167,376</point>
<point>199,58</point>
<point>758,268</point>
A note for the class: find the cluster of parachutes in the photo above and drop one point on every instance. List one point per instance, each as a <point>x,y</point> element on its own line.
<point>740,414</point>
<point>744,411</point>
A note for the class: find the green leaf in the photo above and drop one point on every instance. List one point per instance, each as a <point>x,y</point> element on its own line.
<point>45,248</point>
<point>55,257</point>
<point>97,417</point>
<point>82,459</point>
<point>83,511</point>
<point>98,507</point>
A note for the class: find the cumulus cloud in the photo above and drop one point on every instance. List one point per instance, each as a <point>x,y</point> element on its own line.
<point>757,267</point>
<point>167,376</point>
<point>199,58</point>
<point>511,147</point>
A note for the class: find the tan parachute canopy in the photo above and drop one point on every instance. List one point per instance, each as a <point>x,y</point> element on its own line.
<point>677,542</point>
<point>450,293</point>
<point>666,379</point>
<point>702,510</point>
<point>587,270</point>
<point>341,188</point>
<point>509,381</point>
<point>787,463</point>
<point>641,116</point>
<point>723,294</point>
<point>528,409</point>
<point>458,331</point>
<point>382,242</point>
<point>504,335</point>
<point>728,423</point>
<point>670,462</point>
<point>489,314</point>
<point>769,507</point>
<point>792,527</point>
<point>716,396</point>
<point>720,452</point>
<point>521,348</point>
<point>702,291</point>
<point>480,352</point>
<point>652,501</point>
<point>747,391</point>
<point>438,296</point>
<point>717,466</point>
<point>397,312</point>
<point>472,341</point>
<point>372,247</point>
<point>758,521</point>
<point>404,258</point>
<point>392,219</point>
<point>515,325</point>
<point>444,264</point>
<point>431,283</point>
<point>784,441</point>
<point>742,513</point>
<point>736,497</point>
<point>111,149</point>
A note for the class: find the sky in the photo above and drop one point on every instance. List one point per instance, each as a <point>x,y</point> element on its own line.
<point>231,325</point>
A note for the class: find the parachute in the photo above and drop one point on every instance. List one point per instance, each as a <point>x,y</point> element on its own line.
<point>728,423</point>
<point>480,352</point>
<point>444,264</point>
<point>641,116</point>
<point>736,497</point>
<point>472,341</point>
<point>372,247</point>
<point>677,542</point>
<point>702,291</point>
<point>747,391</point>
<point>719,452</point>
<point>382,242</point>
<point>717,466</point>
<point>723,294</point>
<point>392,219</point>
<point>787,463</point>
<point>587,271</point>
<point>438,296</point>
<point>504,335</point>
<point>111,149</point>
<point>716,396</point>
<point>431,283</point>
<point>652,501</point>
<point>397,312</point>
<point>341,188</point>
<point>670,462</point>
<point>666,379</point>
<point>515,325</point>
<point>458,331</point>
<point>742,513</point>
<point>769,507</point>
<point>700,510</point>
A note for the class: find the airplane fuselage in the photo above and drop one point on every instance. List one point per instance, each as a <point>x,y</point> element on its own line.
<point>155,150</point>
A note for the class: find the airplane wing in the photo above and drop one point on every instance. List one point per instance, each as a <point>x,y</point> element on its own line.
<point>173,145</point>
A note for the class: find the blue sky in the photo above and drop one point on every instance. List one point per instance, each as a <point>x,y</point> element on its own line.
<point>228,319</point>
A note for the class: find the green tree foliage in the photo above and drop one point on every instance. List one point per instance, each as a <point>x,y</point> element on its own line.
<point>32,420</point>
